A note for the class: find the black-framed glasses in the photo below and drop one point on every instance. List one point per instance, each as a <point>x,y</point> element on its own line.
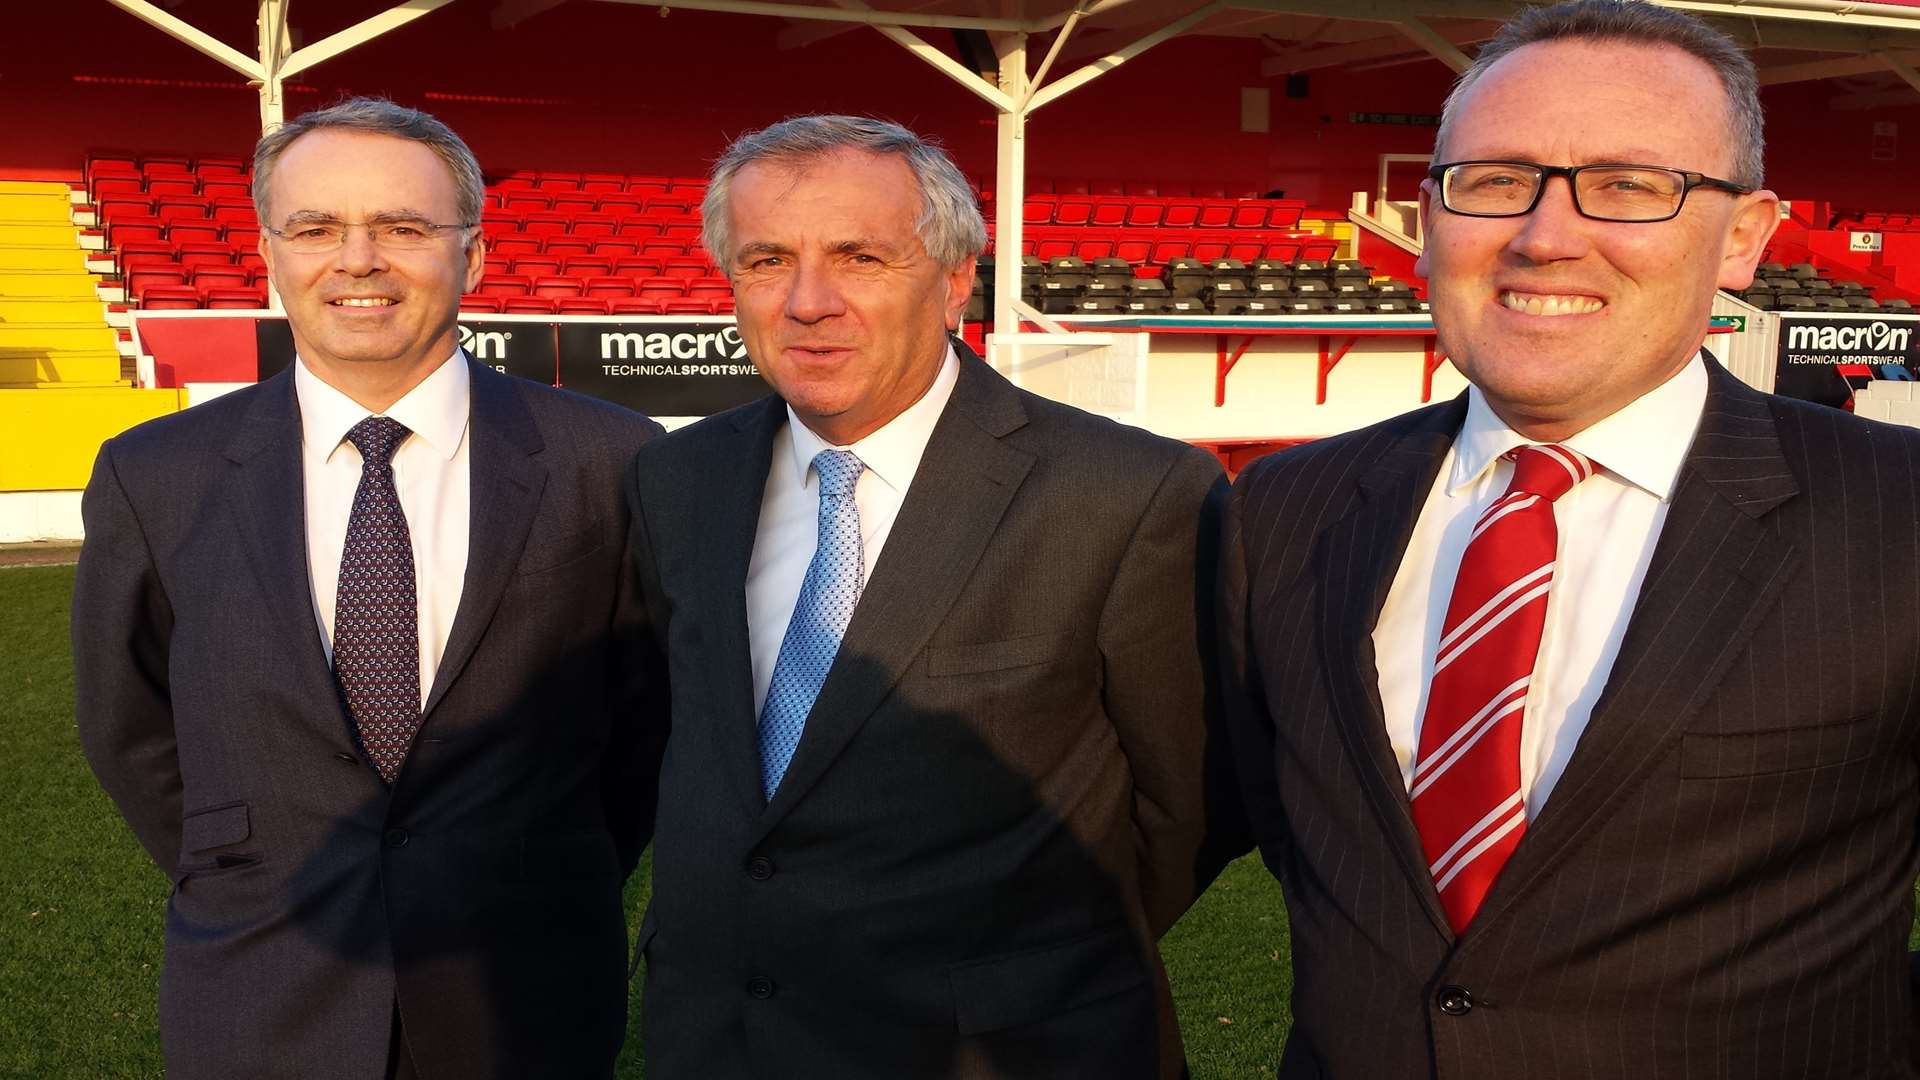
<point>318,237</point>
<point>1604,192</point>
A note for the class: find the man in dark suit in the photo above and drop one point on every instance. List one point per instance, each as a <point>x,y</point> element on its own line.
<point>351,657</point>
<point>1578,715</point>
<point>938,698</point>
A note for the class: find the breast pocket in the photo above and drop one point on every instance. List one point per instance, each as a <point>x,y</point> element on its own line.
<point>1723,755</point>
<point>1029,650</point>
<point>548,552</point>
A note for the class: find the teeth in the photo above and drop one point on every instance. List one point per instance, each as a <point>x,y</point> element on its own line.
<point>368,301</point>
<point>1549,304</point>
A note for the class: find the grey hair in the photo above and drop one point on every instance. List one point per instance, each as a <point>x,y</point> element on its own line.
<point>950,226</point>
<point>1639,23</point>
<point>376,116</point>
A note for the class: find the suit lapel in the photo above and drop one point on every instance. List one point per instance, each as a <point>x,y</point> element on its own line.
<point>505,484</point>
<point>1716,570</point>
<point>966,479</point>
<point>271,504</point>
<point>1355,563</point>
<point>729,522</point>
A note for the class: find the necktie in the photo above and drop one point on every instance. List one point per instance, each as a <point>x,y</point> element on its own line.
<point>376,643</point>
<point>827,597</point>
<point>1467,802</point>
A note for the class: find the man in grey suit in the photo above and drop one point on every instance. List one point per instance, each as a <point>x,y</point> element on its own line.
<point>351,657</point>
<point>1578,715</point>
<point>938,697</point>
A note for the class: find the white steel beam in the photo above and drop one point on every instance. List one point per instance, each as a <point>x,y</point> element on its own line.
<point>194,37</point>
<point>1901,68</point>
<point>1851,15</point>
<point>805,11</point>
<point>359,34</point>
<point>1010,185</point>
<point>1053,53</point>
<point>1072,81</point>
<point>271,25</point>
<point>1436,44</point>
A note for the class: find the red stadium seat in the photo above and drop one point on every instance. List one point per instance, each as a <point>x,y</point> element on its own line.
<point>637,266</point>
<point>181,231</point>
<point>1250,215</point>
<point>473,302</point>
<point>219,277</point>
<point>516,181</point>
<point>172,185</point>
<point>686,268</point>
<point>235,188</point>
<point>1134,249</point>
<point>568,245</point>
<point>1181,215</point>
<point>637,229</point>
<point>1073,211</point>
<point>140,282</point>
<point>170,298</point>
<point>242,237</point>
<point>236,298</point>
<point>514,243</point>
<point>620,206</point>
<point>201,253</point>
<point>1052,248</point>
<point>498,264</point>
<point>592,224</point>
<point>536,265</point>
<point>609,288</point>
<point>613,249</point>
<point>686,234</point>
<point>178,208</point>
<point>1207,248</point>
<point>646,186</point>
<point>1216,214</point>
<point>663,249</point>
<point>1070,187</point>
<point>588,266</point>
<point>116,207</point>
<point>1245,250</point>
<point>537,223</point>
<point>1166,249</point>
<point>114,185</point>
<point>582,305</point>
<point>127,229</point>
<point>1036,212</point>
<point>238,211</point>
<point>555,287</point>
<point>528,305</point>
<point>1109,213</point>
<point>689,307</point>
<point>1108,187</point>
<point>661,289</point>
<point>598,182</point>
<point>1284,250</point>
<point>573,202</point>
<point>1098,247</point>
<point>634,305</point>
<point>558,181</point>
<point>525,201</point>
<point>1285,213</point>
<point>507,285</point>
<point>1145,214</point>
<point>147,248</point>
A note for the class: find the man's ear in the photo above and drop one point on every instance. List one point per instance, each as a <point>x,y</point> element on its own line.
<point>1426,221</point>
<point>476,261</point>
<point>959,282</point>
<point>1752,225</point>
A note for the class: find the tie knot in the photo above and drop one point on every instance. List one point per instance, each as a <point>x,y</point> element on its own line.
<point>376,438</point>
<point>1548,471</point>
<point>839,470</point>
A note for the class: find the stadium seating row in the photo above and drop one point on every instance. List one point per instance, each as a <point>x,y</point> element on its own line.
<point>1805,287</point>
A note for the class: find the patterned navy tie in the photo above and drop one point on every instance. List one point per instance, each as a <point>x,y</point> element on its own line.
<point>820,618</point>
<point>376,638</point>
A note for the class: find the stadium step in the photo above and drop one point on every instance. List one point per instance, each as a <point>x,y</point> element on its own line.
<point>37,204</point>
<point>46,284</point>
<point>17,308</point>
<point>48,438</point>
<point>66,257</point>
<point>23,367</point>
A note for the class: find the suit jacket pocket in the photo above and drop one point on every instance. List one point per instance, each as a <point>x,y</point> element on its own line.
<point>1781,750</point>
<point>1025,987</point>
<point>1016,652</point>
<point>215,826</point>
<point>543,553</point>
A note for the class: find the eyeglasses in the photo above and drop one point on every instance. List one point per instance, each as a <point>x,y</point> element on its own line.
<point>395,234</point>
<point>1637,193</point>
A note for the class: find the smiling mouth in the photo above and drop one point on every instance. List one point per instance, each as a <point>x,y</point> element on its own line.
<point>362,302</point>
<point>1550,304</point>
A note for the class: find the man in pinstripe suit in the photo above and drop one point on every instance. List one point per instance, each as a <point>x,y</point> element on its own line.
<point>1576,715</point>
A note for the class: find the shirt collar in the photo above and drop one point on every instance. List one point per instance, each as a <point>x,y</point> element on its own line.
<point>1644,443</point>
<point>892,453</point>
<point>436,410</point>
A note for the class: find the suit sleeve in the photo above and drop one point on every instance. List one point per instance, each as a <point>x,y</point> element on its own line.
<point>640,715</point>
<point>122,632</point>
<point>1248,724</point>
<point>1156,643</point>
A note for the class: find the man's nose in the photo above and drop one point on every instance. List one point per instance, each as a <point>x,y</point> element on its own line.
<point>1555,229</point>
<point>358,254</point>
<point>814,293</point>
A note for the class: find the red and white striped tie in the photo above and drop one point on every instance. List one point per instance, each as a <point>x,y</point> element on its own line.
<point>1467,802</point>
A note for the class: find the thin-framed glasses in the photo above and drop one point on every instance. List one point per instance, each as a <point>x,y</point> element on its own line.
<point>1604,192</point>
<point>319,236</point>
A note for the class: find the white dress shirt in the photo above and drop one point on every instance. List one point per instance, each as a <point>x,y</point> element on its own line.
<point>431,476</point>
<point>789,527</point>
<point>1608,527</point>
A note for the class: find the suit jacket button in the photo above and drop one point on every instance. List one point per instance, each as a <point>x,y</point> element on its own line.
<point>397,838</point>
<point>1454,1000</point>
<point>342,755</point>
<point>760,986</point>
<point>759,868</point>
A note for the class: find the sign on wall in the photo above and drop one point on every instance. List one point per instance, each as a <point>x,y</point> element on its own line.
<point>657,367</point>
<point>1811,346</point>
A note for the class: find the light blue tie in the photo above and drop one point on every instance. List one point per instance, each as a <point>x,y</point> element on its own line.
<point>827,598</point>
